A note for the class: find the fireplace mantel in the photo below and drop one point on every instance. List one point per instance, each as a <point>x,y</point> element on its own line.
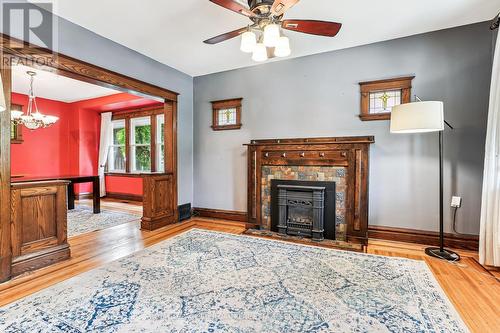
<point>348,157</point>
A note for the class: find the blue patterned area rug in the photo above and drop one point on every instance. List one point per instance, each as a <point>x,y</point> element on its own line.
<point>202,281</point>
<point>82,220</point>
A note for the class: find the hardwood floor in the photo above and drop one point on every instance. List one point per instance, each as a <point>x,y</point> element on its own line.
<point>473,290</point>
<point>131,207</point>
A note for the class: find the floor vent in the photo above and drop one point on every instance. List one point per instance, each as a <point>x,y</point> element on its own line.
<point>184,212</point>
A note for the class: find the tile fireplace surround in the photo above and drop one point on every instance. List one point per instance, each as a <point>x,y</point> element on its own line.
<point>310,173</point>
<point>343,160</point>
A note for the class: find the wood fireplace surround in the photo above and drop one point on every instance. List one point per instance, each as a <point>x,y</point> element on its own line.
<point>313,159</point>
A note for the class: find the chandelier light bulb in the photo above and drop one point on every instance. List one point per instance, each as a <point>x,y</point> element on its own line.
<point>271,35</point>
<point>248,42</point>
<point>259,53</point>
<point>282,47</point>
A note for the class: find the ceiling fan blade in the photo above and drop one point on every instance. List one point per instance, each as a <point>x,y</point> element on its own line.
<point>234,6</point>
<point>279,7</point>
<point>312,27</point>
<point>226,36</point>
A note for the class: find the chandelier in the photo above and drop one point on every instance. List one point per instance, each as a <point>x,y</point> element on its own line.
<point>33,119</point>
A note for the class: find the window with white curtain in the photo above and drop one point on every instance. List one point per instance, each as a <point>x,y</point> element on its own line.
<point>116,157</point>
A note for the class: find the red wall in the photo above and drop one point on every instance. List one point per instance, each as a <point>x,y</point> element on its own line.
<point>44,152</point>
<point>126,185</point>
<point>71,146</point>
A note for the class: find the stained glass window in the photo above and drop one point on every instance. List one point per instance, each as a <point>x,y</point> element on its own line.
<point>380,96</point>
<point>226,114</point>
<point>384,101</point>
<point>227,117</point>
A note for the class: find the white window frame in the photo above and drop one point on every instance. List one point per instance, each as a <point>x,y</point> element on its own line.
<point>160,119</point>
<point>139,121</point>
<point>111,157</point>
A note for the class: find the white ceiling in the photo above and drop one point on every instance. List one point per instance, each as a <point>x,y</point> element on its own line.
<point>55,87</point>
<point>172,31</point>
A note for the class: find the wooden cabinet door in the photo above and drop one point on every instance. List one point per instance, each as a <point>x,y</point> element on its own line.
<point>158,203</point>
<point>39,225</point>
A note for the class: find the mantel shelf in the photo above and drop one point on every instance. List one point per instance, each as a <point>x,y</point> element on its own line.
<point>314,141</point>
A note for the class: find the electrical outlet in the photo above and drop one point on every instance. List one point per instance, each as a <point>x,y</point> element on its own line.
<point>456,202</point>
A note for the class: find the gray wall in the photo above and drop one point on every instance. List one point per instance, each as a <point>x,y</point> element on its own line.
<point>85,45</point>
<point>80,43</point>
<point>319,96</point>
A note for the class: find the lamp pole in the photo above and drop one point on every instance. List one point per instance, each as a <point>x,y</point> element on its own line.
<point>441,252</point>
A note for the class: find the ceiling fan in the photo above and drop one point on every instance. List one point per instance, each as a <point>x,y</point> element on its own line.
<point>263,37</point>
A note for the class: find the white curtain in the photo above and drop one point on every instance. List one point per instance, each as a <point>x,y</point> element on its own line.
<point>489,235</point>
<point>104,144</point>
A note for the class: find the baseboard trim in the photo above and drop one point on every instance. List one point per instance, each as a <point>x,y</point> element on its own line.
<point>84,195</point>
<point>221,214</point>
<point>463,242</point>
<point>124,196</point>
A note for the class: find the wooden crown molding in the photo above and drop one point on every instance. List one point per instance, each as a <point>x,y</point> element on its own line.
<point>42,58</point>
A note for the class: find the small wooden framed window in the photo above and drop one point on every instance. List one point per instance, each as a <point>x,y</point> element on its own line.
<point>379,97</point>
<point>226,114</point>
<point>16,131</point>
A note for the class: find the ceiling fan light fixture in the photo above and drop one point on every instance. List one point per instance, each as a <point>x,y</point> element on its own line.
<point>248,42</point>
<point>271,35</point>
<point>259,53</point>
<point>282,47</point>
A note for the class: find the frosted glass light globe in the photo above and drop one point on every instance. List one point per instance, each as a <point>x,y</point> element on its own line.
<point>248,42</point>
<point>282,47</point>
<point>259,53</point>
<point>271,35</point>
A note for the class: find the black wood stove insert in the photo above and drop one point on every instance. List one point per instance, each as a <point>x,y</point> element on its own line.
<point>303,208</point>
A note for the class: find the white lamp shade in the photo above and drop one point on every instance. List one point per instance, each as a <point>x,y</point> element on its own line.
<point>282,47</point>
<point>259,53</point>
<point>271,35</point>
<point>418,117</point>
<point>248,41</point>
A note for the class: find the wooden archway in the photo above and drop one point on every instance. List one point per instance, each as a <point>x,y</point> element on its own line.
<point>15,51</point>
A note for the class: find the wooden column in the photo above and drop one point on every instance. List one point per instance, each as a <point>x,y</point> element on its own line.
<point>5,242</point>
<point>158,206</point>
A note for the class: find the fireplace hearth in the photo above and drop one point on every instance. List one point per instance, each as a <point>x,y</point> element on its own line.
<point>303,208</point>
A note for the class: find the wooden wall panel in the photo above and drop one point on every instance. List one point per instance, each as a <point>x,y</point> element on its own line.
<point>39,225</point>
<point>158,204</point>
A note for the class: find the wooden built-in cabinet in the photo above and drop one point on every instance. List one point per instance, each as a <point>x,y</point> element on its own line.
<point>158,207</point>
<point>39,225</point>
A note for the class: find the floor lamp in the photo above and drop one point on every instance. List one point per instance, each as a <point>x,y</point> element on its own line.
<point>424,117</point>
